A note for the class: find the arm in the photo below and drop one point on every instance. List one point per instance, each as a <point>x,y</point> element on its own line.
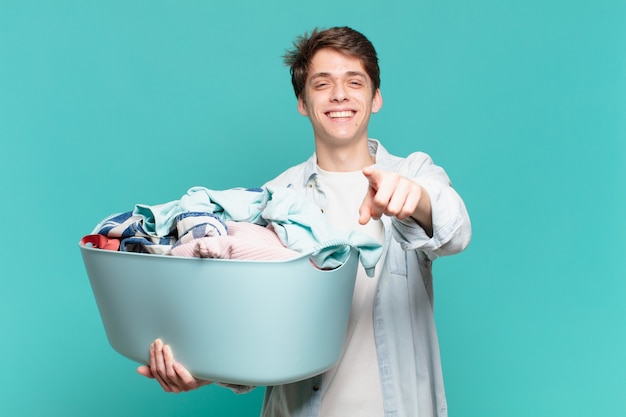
<point>438,223</point>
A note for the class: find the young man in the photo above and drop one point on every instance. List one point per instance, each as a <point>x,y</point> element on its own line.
<point>390,365</point>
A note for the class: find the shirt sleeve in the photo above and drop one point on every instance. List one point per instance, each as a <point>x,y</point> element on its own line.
<point>451,224</point>
<point>237,389</point>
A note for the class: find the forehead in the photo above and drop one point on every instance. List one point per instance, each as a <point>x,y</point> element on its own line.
<point>331,62</point>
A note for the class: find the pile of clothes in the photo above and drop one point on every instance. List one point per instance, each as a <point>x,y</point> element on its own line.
<point>239,223</point>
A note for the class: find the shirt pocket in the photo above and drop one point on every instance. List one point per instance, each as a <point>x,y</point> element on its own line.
<point>396,259</point>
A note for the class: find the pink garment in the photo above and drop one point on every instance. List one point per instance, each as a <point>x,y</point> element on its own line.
<point>244,241</point>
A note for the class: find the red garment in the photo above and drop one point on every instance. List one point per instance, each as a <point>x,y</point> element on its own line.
<point>100,242</point>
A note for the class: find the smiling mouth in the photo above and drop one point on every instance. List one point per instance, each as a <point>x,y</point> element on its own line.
<point>340,114</point>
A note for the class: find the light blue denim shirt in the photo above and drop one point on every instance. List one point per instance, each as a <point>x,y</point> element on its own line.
<point>406,338</point>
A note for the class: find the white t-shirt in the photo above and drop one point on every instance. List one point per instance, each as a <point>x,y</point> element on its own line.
<point>353,387</point>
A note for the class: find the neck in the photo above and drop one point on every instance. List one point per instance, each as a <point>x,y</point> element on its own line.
<point>348,158</point>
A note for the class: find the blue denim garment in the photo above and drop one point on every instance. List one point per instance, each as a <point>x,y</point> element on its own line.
<point>405,333</point>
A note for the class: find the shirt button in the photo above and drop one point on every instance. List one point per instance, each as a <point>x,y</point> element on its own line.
<point>310,185</point>
<point>316,387</point>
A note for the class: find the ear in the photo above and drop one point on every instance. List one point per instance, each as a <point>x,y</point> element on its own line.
<point>377,101</point>
<point>302,106</point>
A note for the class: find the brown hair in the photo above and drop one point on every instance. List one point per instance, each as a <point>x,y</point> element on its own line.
<point>342,39</point>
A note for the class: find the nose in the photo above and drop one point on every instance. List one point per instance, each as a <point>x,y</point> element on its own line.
<point>338,94</point>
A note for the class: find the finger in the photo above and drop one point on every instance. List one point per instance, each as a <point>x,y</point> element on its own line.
<point>380,201</point>
<point>157,364</point>
<point>374,205</point>
<point>190,381</point>
<point>368,170</point>
<point>410,204</point>
<point>183,374</point>
<point>145,371</point>
<point>370,207</point>
<point>365,211</point>
<point>372,175</point>
<point>183,379</point>
<point>401,203</point>
<point>172,375</point>
<point>156,358</point>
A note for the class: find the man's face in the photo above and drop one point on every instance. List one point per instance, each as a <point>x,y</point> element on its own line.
<point>338,98</point>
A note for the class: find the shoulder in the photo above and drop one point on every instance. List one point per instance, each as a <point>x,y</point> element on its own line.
<point>296,176</point>
<point>409,165</point>
<point>289,177</point>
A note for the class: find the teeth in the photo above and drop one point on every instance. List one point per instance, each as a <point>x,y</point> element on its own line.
<point>338,114</point>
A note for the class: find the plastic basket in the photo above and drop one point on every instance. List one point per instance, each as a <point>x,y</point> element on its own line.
<point>232,321</point>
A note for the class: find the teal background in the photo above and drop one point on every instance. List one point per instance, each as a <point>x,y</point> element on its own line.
<point>108,104</point>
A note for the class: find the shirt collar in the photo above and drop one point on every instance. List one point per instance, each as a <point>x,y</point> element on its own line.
<point>375,149</point>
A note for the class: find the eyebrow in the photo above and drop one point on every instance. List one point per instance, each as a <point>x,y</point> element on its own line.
<point>329,75</point>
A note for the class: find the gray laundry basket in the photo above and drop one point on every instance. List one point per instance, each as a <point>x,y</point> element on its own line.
<point>233,321</point>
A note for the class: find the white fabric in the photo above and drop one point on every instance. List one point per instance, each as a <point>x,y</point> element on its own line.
<point>404,322</point>
<point>357,372</point>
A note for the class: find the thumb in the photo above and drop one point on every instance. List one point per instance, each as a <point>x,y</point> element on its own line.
<point>145,371</point>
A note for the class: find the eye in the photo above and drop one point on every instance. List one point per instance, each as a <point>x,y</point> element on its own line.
<point>355,83</point>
